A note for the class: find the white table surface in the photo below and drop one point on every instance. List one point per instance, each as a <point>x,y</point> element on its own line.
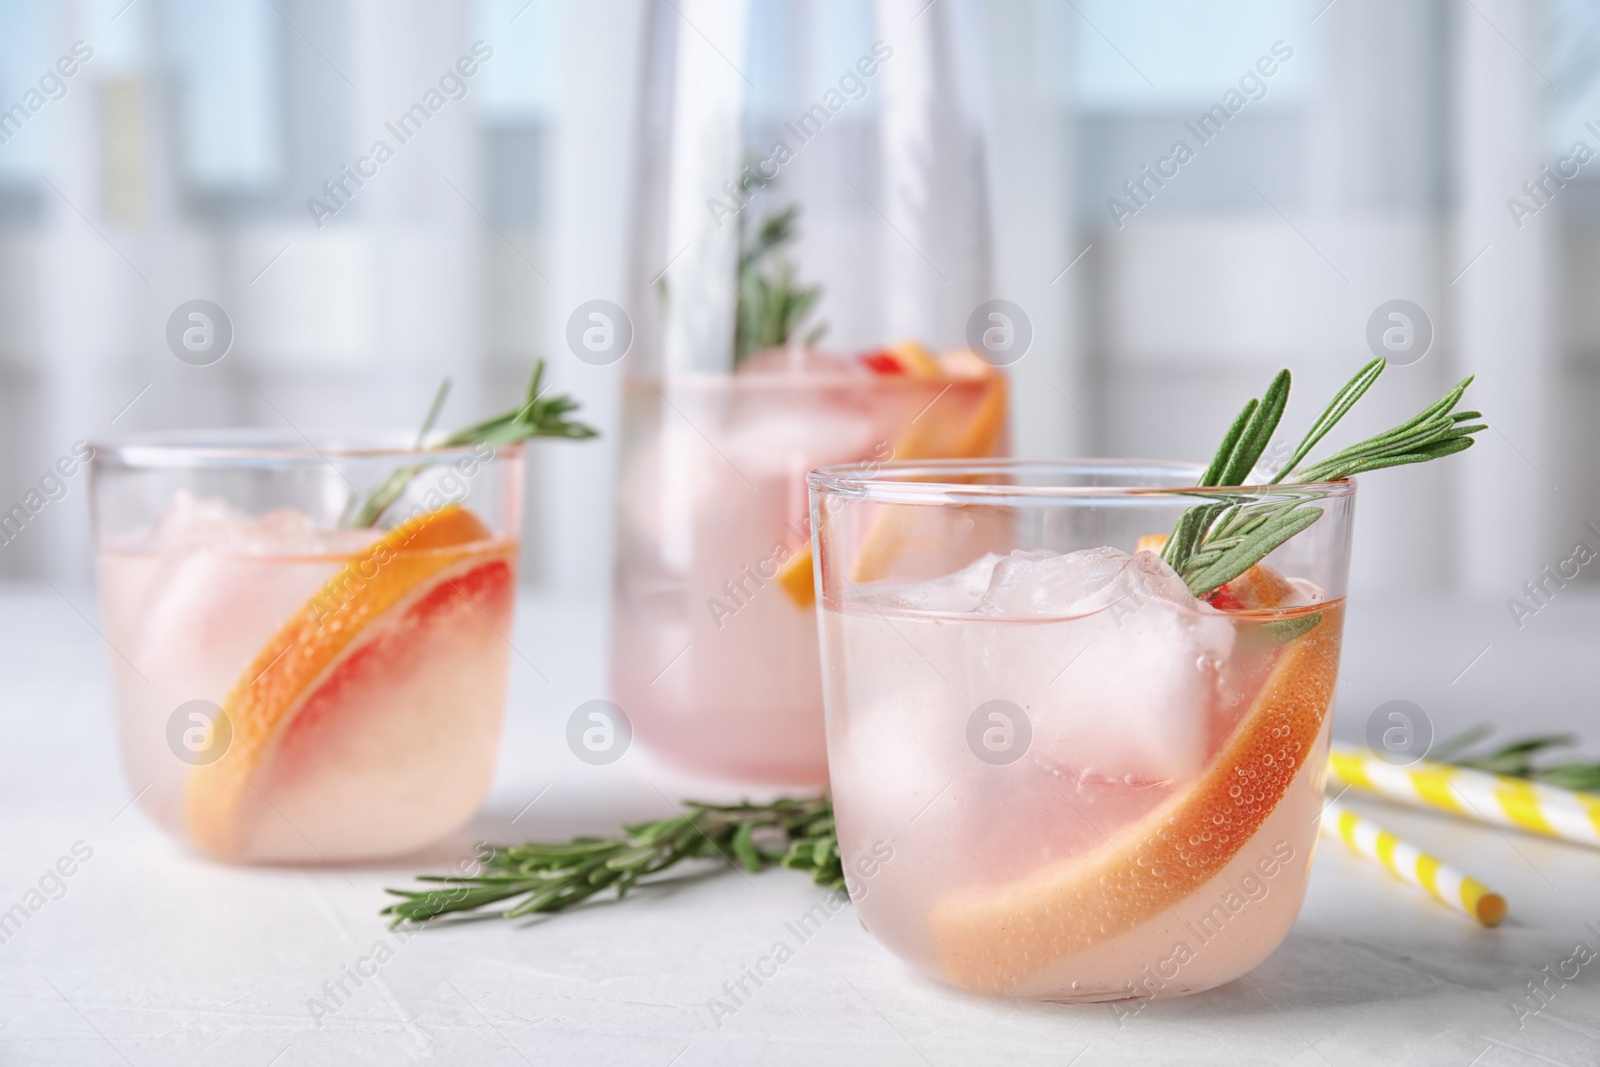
<point>156,957</point>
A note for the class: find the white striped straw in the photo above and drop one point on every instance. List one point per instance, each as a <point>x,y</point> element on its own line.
<point>1493,798</point>
<point>1410,864</point>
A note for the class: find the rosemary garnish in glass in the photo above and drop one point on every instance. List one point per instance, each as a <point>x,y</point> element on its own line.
<point>1216,542</point>
<point>772,304</point>
<point>539,416</point>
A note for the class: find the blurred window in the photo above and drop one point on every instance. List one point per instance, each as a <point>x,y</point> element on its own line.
<point>1146,67</point>
<point>227,65</point>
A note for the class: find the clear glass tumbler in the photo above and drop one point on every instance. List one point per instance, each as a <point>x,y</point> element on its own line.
<point>1057,773</point>
<point>810,252</point>
<point>303,673</point>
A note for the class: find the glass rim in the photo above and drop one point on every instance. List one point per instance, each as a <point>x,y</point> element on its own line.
<point>777,381</point>
<point>265,448</point>
<point>934,481</point>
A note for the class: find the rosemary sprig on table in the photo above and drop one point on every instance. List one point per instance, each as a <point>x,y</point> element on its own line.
<point>540,416</point>
<point>549,877</point>
<point>1517,759</point>
<point>1214,543</point>
<point>798,834</point>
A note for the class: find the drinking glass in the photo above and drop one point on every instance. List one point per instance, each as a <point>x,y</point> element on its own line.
<point>1056,773</point>
<point>293,683</point>
<point>809,246</point>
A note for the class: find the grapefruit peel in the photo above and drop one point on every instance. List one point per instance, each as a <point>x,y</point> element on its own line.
<point>306,653</point>
<point>993,939</point>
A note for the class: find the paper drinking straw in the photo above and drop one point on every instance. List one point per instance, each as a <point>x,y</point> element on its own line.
<point>1494,798</point>
<point>1410,864</point>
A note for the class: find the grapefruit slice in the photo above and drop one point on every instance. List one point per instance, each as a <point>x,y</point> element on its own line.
<point>943,431</point>
<point>367,724</point>
<point>1257,588</point>
<point>994,938</point>
<point>929,437</point>
<point>907,357</point>
<point>795,578</point>
<point>971,437</point>
<point>1151,543</point>
<point>964,363</point>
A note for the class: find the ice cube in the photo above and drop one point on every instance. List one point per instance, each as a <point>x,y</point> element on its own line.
<point>1146,576</point>
<point>790,437</point>
<point>960,591</point>
<point>1145,657</point>
<point>1138,702</point>
<point>218,526</point>
<point>1028,584</point>
<point>224,581</point>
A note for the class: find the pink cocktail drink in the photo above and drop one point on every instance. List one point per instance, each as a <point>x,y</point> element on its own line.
<point>288,690</point>
<point>715,655</point>
<point>1088,784</point>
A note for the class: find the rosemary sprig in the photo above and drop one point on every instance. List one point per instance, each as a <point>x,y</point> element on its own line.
<point>540,416</point>
<point>550,877</point>
<point>1517,759</point>
<point>1215,542</point>
<point>771,306</point>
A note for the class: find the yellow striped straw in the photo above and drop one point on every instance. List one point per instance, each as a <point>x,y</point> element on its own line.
<point>1410,864</point>
<point>1511,802</point>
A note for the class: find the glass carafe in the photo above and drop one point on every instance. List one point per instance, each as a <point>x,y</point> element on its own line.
<point>810,256</point>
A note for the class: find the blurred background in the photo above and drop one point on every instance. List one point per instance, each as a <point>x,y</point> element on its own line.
<point>1420,150</point>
